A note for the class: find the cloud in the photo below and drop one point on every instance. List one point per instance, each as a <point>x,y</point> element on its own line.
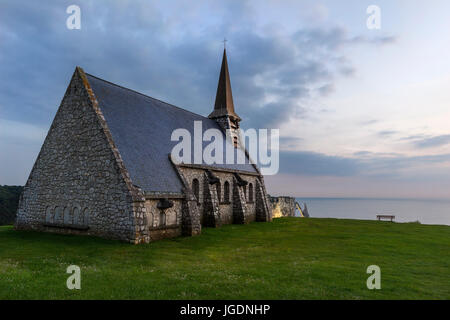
<point>413,137</point>
<point>385,40</point>
<point>290,142</point>
<point>364,163</point>
<point>276,77</point>
<point>172,53</point>
<point>171,57</point>
<point>19,145</point>
<point>368,122</point>
<point>317,164</point>
<point>326,89</point>
<point>387,133</point>
<point>366,154</point>
<point>435,141</point>
<point>14,131</point>
<point>356,187</point>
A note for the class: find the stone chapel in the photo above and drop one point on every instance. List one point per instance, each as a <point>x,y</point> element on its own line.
<point>105,168</point>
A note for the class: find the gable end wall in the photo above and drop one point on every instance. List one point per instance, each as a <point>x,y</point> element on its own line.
<point>78,170</point>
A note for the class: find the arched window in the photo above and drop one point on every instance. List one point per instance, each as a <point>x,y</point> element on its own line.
<point>58,215</point>
<point>219,191</point>
<point>226,192</point>
<point>250,192</point>
<point>48,215</point>
<point>86,217</point>
<point>67,216</point>
<point>76,216</point>
<point>245,192</point>
<point>150,220</point>
<point>196,189</point>
<point>162,219</point>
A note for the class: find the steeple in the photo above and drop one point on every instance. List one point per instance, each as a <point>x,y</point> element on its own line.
<point>224,106</point>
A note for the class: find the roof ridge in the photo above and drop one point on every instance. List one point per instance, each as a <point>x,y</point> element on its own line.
<point>147,96</point>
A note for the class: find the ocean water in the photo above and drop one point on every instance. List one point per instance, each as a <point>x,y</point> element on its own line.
<point>424,211</point>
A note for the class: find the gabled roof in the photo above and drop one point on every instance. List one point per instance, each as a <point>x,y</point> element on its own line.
<point>224,105</point>
<point>141,128</point>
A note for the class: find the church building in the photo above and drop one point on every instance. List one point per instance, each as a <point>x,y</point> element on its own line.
<point>105,168</point>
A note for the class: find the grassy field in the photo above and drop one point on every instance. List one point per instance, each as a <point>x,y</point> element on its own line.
<point>290,258</point>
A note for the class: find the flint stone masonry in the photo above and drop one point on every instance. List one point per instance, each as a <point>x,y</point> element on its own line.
<point>262,208</point>
<point>76,170</point>
<point>88,175</point>
<point>237,209</point>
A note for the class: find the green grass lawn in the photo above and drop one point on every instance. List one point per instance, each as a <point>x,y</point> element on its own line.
<point>290,258</point>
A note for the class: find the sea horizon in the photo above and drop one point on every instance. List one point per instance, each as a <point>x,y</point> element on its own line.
<point>406,210</point>
<point>365,198</point>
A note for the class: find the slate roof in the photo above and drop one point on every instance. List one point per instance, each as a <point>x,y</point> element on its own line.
<point>141,128</point>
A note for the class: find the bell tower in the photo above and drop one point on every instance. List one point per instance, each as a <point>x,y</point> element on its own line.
<point>223,112</point>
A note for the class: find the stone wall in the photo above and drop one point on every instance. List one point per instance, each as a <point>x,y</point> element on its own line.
<point>78,183</point>
<point>231,201</point>
<point>164,223</point>
<point>232,130</point>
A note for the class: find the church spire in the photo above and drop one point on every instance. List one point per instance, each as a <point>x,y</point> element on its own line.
<point>224,106</point>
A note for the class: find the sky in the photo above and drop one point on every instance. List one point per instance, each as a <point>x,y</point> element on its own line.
<point>361,112</point>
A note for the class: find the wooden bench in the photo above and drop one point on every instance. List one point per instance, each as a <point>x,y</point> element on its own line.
<point>385,217</point>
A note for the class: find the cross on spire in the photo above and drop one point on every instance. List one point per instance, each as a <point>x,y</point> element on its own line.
<point>224,43</point>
